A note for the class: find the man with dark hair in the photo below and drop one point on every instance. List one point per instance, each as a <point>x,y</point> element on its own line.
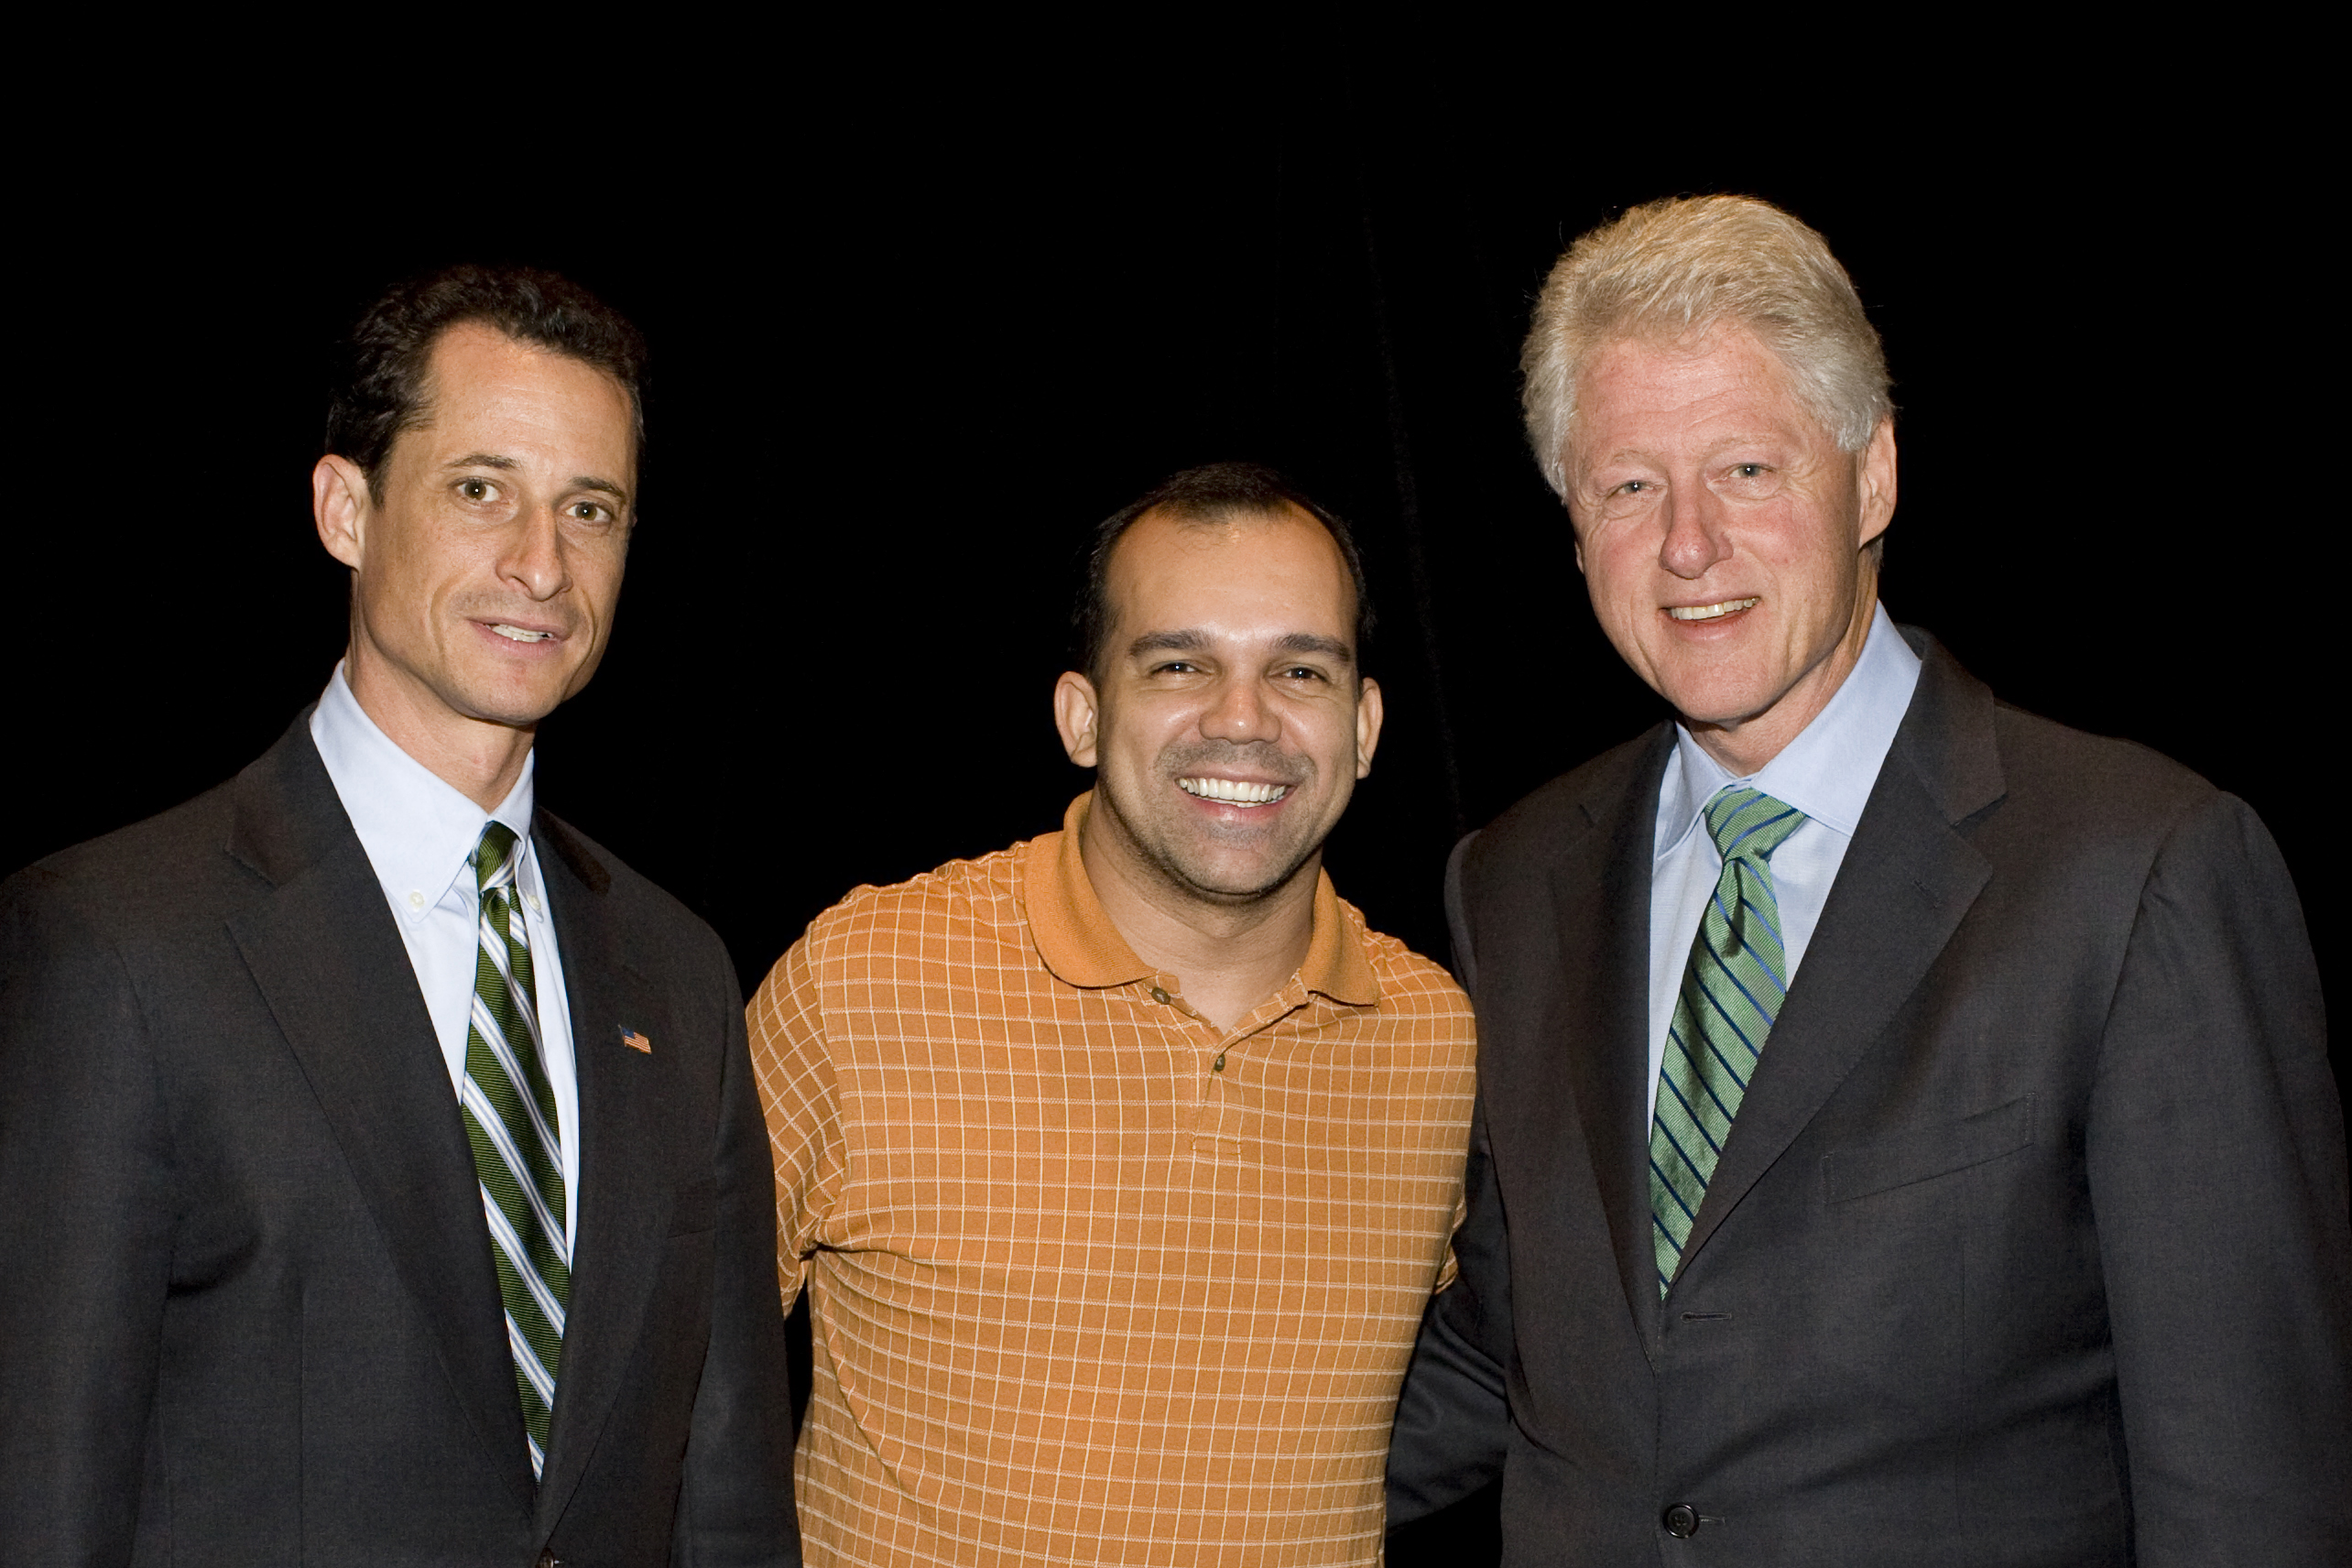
<point>385,1178</point>
<point>1118,1164</point>
<point>384,387</point>
<point>1905,1131</point>
<point>1198,494</point>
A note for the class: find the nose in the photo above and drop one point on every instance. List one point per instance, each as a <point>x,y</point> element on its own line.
<point>1695,537</point>
<point>1241,713</point>
<point>535,559</point>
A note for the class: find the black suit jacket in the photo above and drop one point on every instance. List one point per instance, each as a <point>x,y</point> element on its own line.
<point>2029,1243</point>
<point>249,1313</point>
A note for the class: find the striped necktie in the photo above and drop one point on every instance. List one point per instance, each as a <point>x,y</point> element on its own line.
<point>518,1146</point>
<point>1731,993</point>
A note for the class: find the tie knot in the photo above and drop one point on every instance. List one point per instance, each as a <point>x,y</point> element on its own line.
<point>1749,825</point>
<point>495,857</point>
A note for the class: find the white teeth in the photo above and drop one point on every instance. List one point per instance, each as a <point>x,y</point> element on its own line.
<point>1232,793</point>
<point>1709,612</point>
<point>519,634</point>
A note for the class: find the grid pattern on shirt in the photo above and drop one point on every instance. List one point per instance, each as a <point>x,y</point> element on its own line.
<point>1078,1296</point>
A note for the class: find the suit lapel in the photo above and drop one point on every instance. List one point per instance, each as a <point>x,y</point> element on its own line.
<point>1907,880</point>
<point>1601,898</point>
<point>624,1200</point>
<point>329,961</point>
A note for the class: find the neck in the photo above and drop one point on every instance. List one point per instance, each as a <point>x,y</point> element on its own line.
<point>1226,957</point>
<point>1746,745</point>
<point>478,758</point>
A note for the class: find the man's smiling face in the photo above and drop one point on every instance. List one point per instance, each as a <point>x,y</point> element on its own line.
<point>1720,530</point>
<point>1227,724</point>
<point>488,569</point>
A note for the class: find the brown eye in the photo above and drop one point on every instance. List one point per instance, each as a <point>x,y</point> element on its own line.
<point>474,490</point>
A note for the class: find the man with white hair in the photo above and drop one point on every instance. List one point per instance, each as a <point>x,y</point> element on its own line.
<point>1905,1130</point>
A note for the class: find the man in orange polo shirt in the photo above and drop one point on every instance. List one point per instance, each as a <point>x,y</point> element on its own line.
<point>1120,1164</point>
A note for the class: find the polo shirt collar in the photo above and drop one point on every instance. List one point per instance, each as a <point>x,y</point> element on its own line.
<point>1082,948</point>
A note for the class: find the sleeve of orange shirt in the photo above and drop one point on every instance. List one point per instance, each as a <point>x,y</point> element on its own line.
<point>1447,1270</point>
<point>799,1093</point>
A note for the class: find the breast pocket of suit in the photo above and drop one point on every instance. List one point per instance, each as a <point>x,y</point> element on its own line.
<point>694,1206</point>
<point>1923,1154</point>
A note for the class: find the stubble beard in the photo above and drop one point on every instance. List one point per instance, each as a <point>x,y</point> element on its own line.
<point>1159,852</point>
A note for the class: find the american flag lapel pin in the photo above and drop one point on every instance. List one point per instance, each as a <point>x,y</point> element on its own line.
<point>634,1041</point>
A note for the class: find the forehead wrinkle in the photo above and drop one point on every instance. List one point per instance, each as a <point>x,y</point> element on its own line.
<point>483,460</point>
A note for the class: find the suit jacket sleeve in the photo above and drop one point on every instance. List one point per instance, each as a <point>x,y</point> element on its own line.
<point>735,1505</point>
<point>85,1232</point>
<point>2215,1147</point>
<point>1452,1419</point>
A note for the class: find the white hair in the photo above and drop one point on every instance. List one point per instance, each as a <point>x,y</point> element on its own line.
<point>1668,271</point>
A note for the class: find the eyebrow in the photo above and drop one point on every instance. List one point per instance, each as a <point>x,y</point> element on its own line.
<point>1167,642</point>
<point>493,460</point>
<point>1308,642</point>
<point>1198,642</point>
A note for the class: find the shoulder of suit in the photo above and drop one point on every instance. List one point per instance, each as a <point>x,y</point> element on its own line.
<point>632,896</point>
<point>2115,784</point>
<point>175,860</point>
<point>1567,805</point>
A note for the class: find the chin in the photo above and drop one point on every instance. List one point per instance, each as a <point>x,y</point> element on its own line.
<point>1714,701</point>
<point>1240,883</point>
<point>520,710</point>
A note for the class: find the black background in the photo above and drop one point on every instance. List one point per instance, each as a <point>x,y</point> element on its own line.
<point>909,347</point>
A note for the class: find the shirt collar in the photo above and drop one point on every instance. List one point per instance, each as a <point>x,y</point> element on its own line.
<point>1827,772</point>
<point>418,829</point>
<point>1081,946</point>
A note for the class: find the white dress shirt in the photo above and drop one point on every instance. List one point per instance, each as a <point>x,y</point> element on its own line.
<point>418,832</point>
<point>1826,772</point>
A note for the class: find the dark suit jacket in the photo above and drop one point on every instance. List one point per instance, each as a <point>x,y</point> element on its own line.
<point>249,1313</point>
<point>2029,1243</point>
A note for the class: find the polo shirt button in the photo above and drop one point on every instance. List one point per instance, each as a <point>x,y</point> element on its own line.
<point>1681,1521</point>
<point>1158,994</point>
<point>1218,1065</point>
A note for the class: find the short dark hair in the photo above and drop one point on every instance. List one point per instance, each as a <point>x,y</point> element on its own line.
<point>380,390</point>
<point>1207,493</point>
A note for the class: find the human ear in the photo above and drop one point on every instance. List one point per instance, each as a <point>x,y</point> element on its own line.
<point>1076,712</point>
<point>342,506</point>
<point>1875,482</point>
<point>1367,725</point>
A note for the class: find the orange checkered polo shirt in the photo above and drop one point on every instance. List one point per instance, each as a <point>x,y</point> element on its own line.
<point>1094,1281</point>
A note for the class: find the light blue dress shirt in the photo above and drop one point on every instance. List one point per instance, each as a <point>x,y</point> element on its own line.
<point>418,832</point>
<point>1826,772</point>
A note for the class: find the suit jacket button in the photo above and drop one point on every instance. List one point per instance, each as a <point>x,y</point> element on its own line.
<point>1681,1521</point>
<point>548,1560</point>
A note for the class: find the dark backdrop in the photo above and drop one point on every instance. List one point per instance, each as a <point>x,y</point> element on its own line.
<point>905,356</point>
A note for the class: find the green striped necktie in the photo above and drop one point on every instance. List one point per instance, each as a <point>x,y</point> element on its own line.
<point>517,1144</point>
<point>1731,993</point>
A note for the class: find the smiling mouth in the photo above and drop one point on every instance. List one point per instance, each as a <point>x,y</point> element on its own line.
<point>1712,612</point>
<point>1232,791</point>
<point>521,633</point>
